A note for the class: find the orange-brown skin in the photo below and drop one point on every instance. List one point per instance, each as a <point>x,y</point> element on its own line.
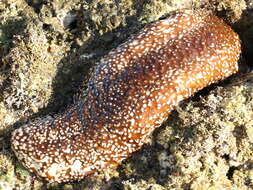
<point>131,92</point>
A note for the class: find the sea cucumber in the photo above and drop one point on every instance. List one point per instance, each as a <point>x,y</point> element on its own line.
<point>131,92</point>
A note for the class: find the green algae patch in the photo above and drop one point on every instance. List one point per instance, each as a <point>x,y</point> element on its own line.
<point>14,176</point>
<point>6,171</point>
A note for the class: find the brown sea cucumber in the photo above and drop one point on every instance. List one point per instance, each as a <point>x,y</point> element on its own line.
<point>130,93</point>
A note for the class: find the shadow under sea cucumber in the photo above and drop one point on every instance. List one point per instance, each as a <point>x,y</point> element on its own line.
<point>130,93</point>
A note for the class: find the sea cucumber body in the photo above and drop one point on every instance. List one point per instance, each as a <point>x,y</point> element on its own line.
<point>131,92</point>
